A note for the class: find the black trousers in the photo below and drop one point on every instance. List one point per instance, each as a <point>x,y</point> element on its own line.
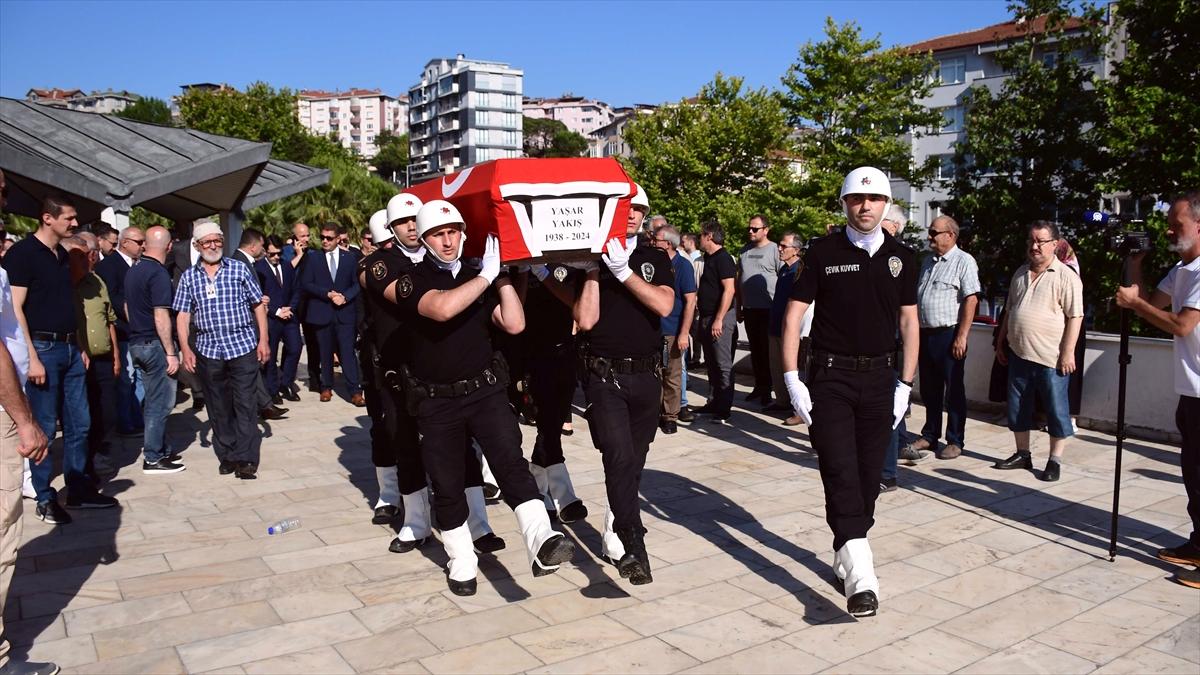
<point>447,426</point>
<point>623,417</point>
<point>394,439</point>
<point>757,332</point>
<point>851,429</point>
<point>312,348</point>
<point>231,389</point>
<point>552,385</point>
<point>1187,418</point>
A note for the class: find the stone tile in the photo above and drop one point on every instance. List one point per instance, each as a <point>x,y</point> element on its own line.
<point>240,550</point>
<point>650,655</point>
<point>980,586</point>
<point>957,527</point>
<point>185,580</point>
<point>899,546</point>
<point>565,641</point>
<point>88,575</point>
<point>1046,560</point>
<point>1183,640</point>
<point>327,555</point>
<point>1165,595</point>
<point>156,662</point>
<point>956,558</point>
<point>497,591</point>
<point>66,652</point>
<point>1030,657</point>
<point>497,656</point>
<point>55,602</point>
<point>381,652</point>
<point>1107,631</point>
<point>308,604</point>
<point>409,611</point>
<point>1018,617</point>
<point>129,612</point>
<point>1097,581</point>
<point>1144,660</point>
<point>931,651</point>
<point>775,657</point>
<point>1009,539</point>
<point>184,629</point>
<point>460,631</point>
<point>320,660</point>
<point>269,642</point>
<point>265,587</point>
<point>578,604</point>
<point>728,633</point>
<point>681,609</point>
<point>899,578</point>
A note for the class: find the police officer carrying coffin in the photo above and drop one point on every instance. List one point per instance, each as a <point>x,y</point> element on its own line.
<point>620,307</point>
<point>457,387</point>
<point>864,284</point>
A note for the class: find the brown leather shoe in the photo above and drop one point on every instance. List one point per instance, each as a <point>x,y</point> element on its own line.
<point>950,451</point>
<point>792,421</point>
<point>920,444</point>
<point>326,395</point>
<point>358,400</point>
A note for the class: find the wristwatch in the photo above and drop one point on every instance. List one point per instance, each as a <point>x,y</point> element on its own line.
<point>908,383</point>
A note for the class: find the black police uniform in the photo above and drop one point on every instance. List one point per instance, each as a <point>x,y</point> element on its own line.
<point>394,440</point>
<point>621,357</point>
<point>460,387</point>
<point>851,378</point>
<point>549,344</point>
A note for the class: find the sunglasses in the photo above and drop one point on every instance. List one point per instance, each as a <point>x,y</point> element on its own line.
<point>756,229</point>
<point>328,238</point>
<point>272,254</point>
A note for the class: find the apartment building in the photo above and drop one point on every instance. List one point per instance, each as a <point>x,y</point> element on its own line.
<point>107,101</point>
<point>964,60</point>
<point>462,112</point>
<point>609,140</point>
<point>578,114</point>
<point>354,117</point>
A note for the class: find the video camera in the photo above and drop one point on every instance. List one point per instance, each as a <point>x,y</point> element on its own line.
<point>1121,239</point>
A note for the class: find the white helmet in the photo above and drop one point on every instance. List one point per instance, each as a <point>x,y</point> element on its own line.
<point>435,214</point>
<point>403,205</point>
<point>866,180</point>
<point>640,199</point>
<point>378,224</point>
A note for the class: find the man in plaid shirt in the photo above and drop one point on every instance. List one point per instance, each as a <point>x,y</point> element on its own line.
<point>231,343</point>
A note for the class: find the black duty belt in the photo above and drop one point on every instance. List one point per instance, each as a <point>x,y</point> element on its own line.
<point>460,388</point>
<point>599,364</point>
<point>51,336</point>
<point>856,363</point>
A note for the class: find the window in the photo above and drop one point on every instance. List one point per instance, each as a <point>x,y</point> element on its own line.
<point>1049,59</point>
<point>950,71</point>
<point>954,119</point>
<point>945,167</point>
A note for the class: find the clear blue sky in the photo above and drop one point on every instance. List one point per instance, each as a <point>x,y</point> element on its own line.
<point>619,52</point>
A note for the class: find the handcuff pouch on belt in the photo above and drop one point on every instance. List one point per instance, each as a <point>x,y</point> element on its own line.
<point>416,390</point>
<point>604,367</point>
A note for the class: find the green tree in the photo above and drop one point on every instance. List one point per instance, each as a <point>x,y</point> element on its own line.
<point>722,155</point>
<point>1153,99</point>
<point>261,113</point>
<point>859,104</point>
<point>551,138</point>
<point>392,157</point>
<point>147,109</point>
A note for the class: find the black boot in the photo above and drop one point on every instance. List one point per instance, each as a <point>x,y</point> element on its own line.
<point>635,564</point>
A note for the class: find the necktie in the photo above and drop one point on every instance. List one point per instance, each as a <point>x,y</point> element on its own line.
<point>279,275</point>
<point>333,265</point>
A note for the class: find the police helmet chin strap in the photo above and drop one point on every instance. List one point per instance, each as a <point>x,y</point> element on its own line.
<point>876,226</point>
<point>452,266</point>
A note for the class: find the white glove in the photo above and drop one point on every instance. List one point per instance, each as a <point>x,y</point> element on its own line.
<point>798,393</point>
<point>540,272</point>
<point>490,264</point>
<point>900,403</point>
<point>616,256</point>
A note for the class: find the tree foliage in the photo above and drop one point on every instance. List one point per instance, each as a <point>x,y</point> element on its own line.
<point>551,138</point>
<point>860,102</point>
<point>261,113</point>
<point>147,109</point>
<point>392,158</point>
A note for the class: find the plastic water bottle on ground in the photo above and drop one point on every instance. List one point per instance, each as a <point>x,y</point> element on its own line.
<point>283,526</point>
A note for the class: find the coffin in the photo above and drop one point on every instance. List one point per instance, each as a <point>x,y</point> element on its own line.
<point>542,210</point>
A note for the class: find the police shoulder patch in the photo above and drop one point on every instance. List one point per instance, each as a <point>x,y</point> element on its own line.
<point>895,265</point>
<point>379,270</point>
<point>404,287</point>
<point>560,273</point>
<point>647,271</point>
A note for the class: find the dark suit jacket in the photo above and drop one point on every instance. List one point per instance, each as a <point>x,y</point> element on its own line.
<point>287,295</point>
<point>113,270</point>
<point>316,283</point>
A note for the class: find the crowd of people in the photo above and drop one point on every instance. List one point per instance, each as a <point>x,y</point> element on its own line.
<point>447,354</point>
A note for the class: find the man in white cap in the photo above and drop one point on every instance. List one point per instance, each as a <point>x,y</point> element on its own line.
<point>864,284</point>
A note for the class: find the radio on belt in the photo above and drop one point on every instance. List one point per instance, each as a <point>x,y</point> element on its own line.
<point>541,210</point>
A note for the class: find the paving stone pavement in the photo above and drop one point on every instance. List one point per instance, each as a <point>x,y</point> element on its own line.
<point>982,571</point>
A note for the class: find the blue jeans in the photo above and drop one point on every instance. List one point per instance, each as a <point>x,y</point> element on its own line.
<point>942,381</point>
<point>66,390</point>
<point>151,363</point>
<point>130,393</point>
<point>892,457</point>
<point>1026,382</point>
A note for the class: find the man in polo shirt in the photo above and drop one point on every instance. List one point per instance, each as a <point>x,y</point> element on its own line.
<point>112,269</point>
<point>1175,308</point>
<point>231,344</point>
<point>947,294</point>
<point>151,348</point>
<point>43,302</point>
<point>1045,313</point>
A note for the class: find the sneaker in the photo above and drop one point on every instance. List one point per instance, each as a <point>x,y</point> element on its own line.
<point>911,456</point>
<point>28,668</point>
<point>164,465</point>
<point>887,485</point>
<point>95,500</point>
<point>53,513</point>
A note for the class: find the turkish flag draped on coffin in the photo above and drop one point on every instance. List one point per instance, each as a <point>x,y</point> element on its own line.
<point>542,210</point>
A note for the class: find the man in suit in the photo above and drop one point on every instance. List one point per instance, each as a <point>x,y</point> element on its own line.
<point>296,254</point>
<point>112,270</point>
<point>250,249</point>
<point>278,280</point>
<point>332,293</point>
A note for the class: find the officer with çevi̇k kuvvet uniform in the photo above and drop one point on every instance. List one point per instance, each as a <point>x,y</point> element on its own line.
<point>864,283</point>
<point>457,385</point>
<point>620,308</point>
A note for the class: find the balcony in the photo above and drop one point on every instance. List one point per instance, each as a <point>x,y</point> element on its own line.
<point>447,125</point>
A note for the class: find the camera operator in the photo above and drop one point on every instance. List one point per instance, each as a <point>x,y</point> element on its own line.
<point>1175,307</point>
